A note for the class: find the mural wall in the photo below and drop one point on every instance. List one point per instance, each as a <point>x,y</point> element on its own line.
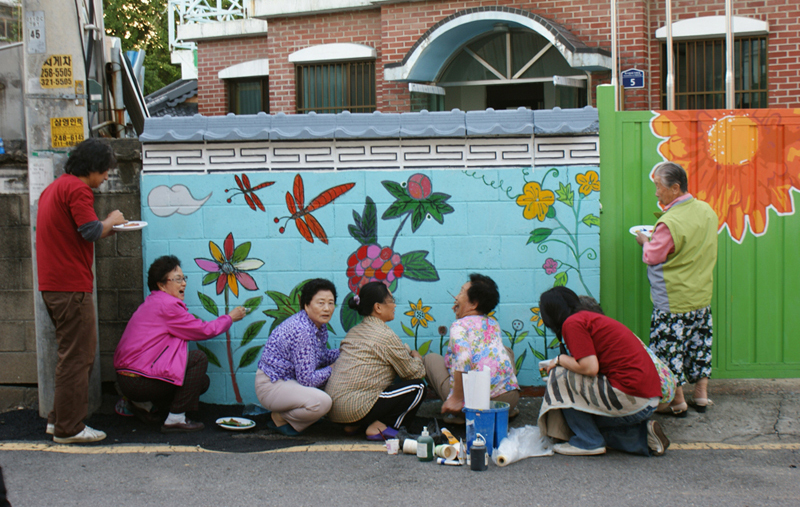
<point>251,235</point>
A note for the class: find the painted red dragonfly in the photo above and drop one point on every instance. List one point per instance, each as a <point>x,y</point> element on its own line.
<point>303,219</point>
<point>248,192</point>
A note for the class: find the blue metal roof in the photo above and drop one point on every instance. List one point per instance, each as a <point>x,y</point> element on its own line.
<point>301,127</point>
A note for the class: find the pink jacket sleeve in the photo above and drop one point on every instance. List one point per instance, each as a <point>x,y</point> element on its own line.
<point>186,326</point>
<point>659,247</point>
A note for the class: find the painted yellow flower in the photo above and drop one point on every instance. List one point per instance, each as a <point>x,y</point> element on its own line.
<point>537,318</point>
<point>536,201</point>
<point>589,182</point>
<point>419,314</point>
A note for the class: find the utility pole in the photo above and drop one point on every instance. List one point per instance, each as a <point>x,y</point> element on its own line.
<point>57,34</point>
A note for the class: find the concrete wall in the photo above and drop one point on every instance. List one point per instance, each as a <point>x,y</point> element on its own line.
<point>12,113</point>
<point>118,262</point>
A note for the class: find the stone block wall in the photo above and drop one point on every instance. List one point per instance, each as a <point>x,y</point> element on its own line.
<point>118,263</point>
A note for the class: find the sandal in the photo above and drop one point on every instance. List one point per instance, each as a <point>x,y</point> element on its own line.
<point>700,404</point>
<point>680,410</point>
<point>386,434</point>
<point>285,429</point>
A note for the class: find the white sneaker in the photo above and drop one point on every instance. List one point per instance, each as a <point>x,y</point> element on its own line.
<point>657,440</point>
<point>570,450</point>
<point>51,429</point>
<point>87,435</point>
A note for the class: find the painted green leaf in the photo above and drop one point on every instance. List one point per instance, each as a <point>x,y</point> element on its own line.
<point>208,304</point>
<point>561,279</point>
<point>240,253</point>
<point>252,331</point>
<point>551,213</point>
<point>539,330</point>
<point>365,230</point>
<point>520,337</point>
<point>520,360</point>
<point>539,235</point>
<point>508,335</point>
<point>409,331</point>
<point>284,310</point>
<point>249,356</point>
<point>394,188</point>
<point>211,278</point>
<point>565,194</point>
<point>252,304</point>
<point>425,348</point>
<point>436,205</point>
<point>417,267</point>
<point>418,217</point>
<point>554,344</point>
<point>399,208</point>
<point>538,355</point>
<point>212,358</point>
<point>347,316</point>
<point>591,220</point>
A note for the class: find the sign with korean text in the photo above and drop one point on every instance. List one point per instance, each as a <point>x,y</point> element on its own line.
<point>66,132</point>
<point>57,72</point>
<point>632,78</point>
<point>34,32</point>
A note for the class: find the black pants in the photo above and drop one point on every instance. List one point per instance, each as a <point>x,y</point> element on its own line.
<point>397,402</point>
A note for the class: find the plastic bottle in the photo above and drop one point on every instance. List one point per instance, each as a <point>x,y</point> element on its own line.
<point>2,148</point>
<point>479,460</point>
<point>425,446</point>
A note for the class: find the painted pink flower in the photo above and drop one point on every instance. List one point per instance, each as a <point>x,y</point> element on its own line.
<point>550,266</point>
<point>419,187</point>
<point>228,266</point>
<point>373,263</point>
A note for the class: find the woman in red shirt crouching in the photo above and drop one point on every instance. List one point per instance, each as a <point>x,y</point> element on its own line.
<point>604,391</point>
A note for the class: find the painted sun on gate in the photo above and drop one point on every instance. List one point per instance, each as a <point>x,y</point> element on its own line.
<point>741,164</point>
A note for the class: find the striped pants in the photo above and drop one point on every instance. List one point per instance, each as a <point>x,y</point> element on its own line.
<point>397,403</point>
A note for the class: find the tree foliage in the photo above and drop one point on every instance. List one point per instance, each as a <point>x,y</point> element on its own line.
<point>142,24</point>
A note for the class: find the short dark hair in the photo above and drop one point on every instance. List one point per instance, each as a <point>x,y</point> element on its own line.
<point>672,173</point>
<point>93,155</point>
<point>311,287</point>
<point>590,304</point>
<point>556,305</point>
<point>368,295</point>
<point>159,270</point>
<point>483,291</point>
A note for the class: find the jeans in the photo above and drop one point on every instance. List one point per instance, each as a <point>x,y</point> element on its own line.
<point>627,433</point>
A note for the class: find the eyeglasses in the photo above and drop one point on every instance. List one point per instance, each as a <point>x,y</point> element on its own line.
<point>389,301</point>
<point>178,279</point>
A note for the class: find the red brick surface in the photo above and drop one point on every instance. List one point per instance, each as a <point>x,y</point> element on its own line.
<point>393,28</point>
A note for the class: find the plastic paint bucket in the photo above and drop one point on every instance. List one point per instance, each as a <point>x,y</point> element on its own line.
<point>491,423</point>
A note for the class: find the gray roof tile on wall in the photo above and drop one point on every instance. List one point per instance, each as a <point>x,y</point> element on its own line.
<point>367,125</point>
<point>166,129</point>
<point>500,123</point>
<point>295,127</point>
<point>566,121</point>
<point>303,126</point>
<point>436,124</point>
<point>246,127</point>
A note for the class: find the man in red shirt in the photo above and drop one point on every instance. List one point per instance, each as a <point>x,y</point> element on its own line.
<point>66,229</point>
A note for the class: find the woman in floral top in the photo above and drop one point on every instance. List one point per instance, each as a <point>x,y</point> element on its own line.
<point>296,363</point>
<point>475,341</point>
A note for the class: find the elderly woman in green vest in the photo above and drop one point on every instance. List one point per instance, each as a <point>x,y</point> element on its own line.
<point>680,258</point>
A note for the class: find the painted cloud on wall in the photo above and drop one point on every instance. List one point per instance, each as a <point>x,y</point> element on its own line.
<point>165,201</point>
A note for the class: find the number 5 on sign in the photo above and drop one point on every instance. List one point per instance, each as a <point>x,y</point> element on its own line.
<point>632,78</point>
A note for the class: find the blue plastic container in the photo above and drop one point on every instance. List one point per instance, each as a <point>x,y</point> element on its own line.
<point>492,424</point>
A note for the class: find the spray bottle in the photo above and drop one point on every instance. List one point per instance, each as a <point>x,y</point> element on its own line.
<point>425,446</point>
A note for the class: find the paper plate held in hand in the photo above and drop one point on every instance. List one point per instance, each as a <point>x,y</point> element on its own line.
<point>130,226</point>
<point>235,423</point>
<point>647,230</point>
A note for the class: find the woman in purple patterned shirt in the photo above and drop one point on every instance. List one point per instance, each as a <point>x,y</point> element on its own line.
<point>296,363</point>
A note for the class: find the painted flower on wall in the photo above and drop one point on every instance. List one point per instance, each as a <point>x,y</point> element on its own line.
<point>371,263</point>
<point>550,266</point>
<point>537,317</point>
<point>229,265</point>
<point>589,182</point>
<point>740,164</point>
<point>419,314</point>
<point>536,201</point>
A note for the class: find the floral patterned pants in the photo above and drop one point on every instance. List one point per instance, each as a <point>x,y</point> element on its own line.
<point>683,342</point>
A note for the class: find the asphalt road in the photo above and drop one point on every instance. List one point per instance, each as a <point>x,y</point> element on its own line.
<point>726,477</point>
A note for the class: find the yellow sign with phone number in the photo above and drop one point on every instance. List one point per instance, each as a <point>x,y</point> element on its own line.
<point>56,72</point>
<point>66,132</point>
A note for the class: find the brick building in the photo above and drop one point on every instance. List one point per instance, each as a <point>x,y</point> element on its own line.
<point>399,56</point>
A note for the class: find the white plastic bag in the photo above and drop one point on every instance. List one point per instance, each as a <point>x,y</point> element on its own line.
<point>522,443</point>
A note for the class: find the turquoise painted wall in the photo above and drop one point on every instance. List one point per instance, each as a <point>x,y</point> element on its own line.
<point>527,229</point>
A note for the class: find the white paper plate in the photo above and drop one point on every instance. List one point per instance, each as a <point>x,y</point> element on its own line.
<point>646,229</point>
<point>130,226</point>
<point>242,423</point>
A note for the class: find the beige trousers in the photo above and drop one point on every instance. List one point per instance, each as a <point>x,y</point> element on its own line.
<point>301,406</point>
<point>438,379</point>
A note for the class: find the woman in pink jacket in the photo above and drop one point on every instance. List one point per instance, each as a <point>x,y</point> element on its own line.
<point>153,362</point>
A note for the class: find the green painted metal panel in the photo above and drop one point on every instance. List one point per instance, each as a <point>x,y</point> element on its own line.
<point>747,165</point>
